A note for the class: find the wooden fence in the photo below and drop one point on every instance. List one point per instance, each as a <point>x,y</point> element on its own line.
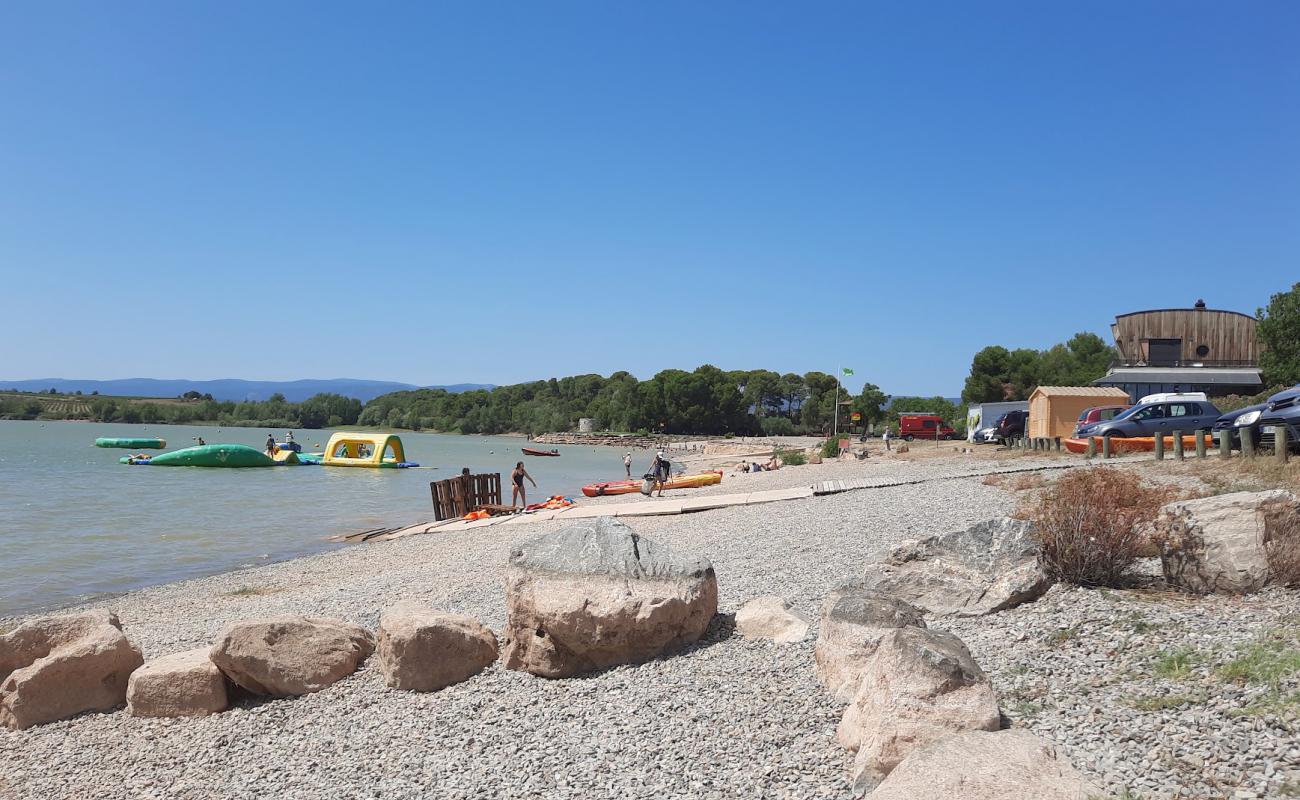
<point>455,497</point>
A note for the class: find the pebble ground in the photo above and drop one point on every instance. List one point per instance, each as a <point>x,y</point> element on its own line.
<point>726,718</point>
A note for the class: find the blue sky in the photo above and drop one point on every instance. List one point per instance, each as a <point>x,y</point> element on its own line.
<point>496,192</point>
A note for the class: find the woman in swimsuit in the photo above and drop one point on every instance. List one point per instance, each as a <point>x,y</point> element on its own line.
<point>517,485</point>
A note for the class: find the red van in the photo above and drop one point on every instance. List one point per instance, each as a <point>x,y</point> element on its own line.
<point>923,426</point>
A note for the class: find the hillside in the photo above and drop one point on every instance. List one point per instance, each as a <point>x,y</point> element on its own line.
<point>232,389</point>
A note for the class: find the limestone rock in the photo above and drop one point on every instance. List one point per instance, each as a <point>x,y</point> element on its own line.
<point>988,567</point>
<point>185,684</point>
<point>770,617</point>
<point>596,594</point>
<point>55,667</point>
<point>290,655</point>
<point>1218,544</point>
<point>424,650</point>
<point>852,623</point>
<point>921,686</point>
<point>977,765</point>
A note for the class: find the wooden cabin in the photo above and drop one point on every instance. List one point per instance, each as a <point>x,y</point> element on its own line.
<point>1195,349</point>
<point>1054,410</point>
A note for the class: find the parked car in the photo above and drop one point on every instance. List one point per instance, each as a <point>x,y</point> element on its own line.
<point>1248,417</point>
<point>987,435</point>
<point>923,426</point>
<point>1011,425</point>
<point>1164,417</point>
<point>1282,409</point>
<point>1092,416</point>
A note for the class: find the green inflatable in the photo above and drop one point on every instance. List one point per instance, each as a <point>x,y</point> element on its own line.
<point>132,444</point>
<point>208,455</point>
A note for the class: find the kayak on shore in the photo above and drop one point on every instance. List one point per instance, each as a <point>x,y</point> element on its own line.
<point>130,443</point>
<point>631,487</point>
<point>1130,444</point>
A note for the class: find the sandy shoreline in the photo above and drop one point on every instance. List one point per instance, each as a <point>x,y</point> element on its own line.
<point>727,718</point>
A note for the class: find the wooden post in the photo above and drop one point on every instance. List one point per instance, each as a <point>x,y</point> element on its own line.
<point>1092,447</point>
<point>1225,444</point>
<point>1200,444</point>
<point>1247,442</point>
<point>1105,447</point>
<point>1160,446</point>
<point>1178,445</point>
<point>1057,442</point>
<point>1281,447</point>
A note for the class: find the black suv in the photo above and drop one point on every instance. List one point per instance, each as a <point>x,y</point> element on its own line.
<point>1010,425</point>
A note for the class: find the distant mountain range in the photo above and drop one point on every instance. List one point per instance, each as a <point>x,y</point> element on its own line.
<point>229,388</point>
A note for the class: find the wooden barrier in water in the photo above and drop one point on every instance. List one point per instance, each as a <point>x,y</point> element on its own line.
<point>455,497</point>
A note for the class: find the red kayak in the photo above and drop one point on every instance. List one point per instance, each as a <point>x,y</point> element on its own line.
<point>528,451</point>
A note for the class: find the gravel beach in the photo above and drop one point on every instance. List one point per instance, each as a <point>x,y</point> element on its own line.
<point>726,718</point>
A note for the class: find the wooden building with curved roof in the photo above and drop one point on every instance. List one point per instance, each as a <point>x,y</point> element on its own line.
<point>1197,349</point>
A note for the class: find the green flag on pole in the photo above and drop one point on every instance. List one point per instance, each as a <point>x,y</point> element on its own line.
<point>847,371</point>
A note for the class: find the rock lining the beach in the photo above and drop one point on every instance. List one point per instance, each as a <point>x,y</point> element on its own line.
<point>1219,543</point>
<point>55,667</point>
<point>770,617</point>
<point>185,684</point>
<point>595,594</point>
<point>983,765</point>
<point>424,650</point>
<point>290,655</point>
<point>985,568</point>
<point>853,621</point>
<point>919,687</point>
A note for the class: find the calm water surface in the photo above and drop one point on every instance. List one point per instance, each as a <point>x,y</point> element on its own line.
<point>76,524</point>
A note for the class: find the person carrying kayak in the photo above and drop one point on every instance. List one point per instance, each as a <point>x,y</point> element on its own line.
<point>661,468</point>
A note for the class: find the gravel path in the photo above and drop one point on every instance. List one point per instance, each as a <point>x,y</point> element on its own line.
<point>727,718</point>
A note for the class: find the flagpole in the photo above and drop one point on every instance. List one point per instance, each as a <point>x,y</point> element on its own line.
<point>836,430</point>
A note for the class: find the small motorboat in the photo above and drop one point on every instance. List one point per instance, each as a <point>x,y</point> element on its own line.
<point>528,451</point>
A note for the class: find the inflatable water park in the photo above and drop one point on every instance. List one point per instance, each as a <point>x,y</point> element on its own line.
<point>373,450</point>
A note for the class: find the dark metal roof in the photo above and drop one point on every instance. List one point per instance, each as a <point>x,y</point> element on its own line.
<point>1208,376</point>
<point>1200,310</point>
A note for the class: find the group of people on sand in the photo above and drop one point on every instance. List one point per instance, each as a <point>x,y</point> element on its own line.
<point>771,465</point>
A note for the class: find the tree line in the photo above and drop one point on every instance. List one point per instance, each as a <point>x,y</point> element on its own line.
<point>706,401</point>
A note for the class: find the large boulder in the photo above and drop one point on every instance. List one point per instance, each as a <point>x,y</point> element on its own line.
<point>921,686</point>
<point>424,650</point>
<point>55,667</point>
<point>596,594</point>
<point>183,684</point>
<point>1220,544</point>
<point>979,765</point>
<point>853,622</point>
<point>289,655</point>
<point>986,568</point>
<point>770,617</point>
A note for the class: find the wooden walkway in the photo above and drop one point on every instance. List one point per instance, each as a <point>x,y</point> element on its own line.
<point>679,505</point>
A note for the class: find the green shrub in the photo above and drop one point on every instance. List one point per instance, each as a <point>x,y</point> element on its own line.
<point>831,449</point>
<point>792,458</point>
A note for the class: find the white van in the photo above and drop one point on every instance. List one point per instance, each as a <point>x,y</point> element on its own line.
<point>1165,397</point>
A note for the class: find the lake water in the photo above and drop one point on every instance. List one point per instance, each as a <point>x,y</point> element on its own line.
<point>77,524</point>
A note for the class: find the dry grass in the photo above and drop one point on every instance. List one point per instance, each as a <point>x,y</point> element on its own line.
<point>252,591</point>
<point>996,479</point>
<point>1090,524</point>
<point>1028,480</point>
<point>1283,546</point>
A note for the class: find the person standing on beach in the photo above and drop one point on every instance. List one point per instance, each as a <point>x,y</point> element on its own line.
<point>662,468</point>
<point>627,463</point>
<point>517,485</point>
